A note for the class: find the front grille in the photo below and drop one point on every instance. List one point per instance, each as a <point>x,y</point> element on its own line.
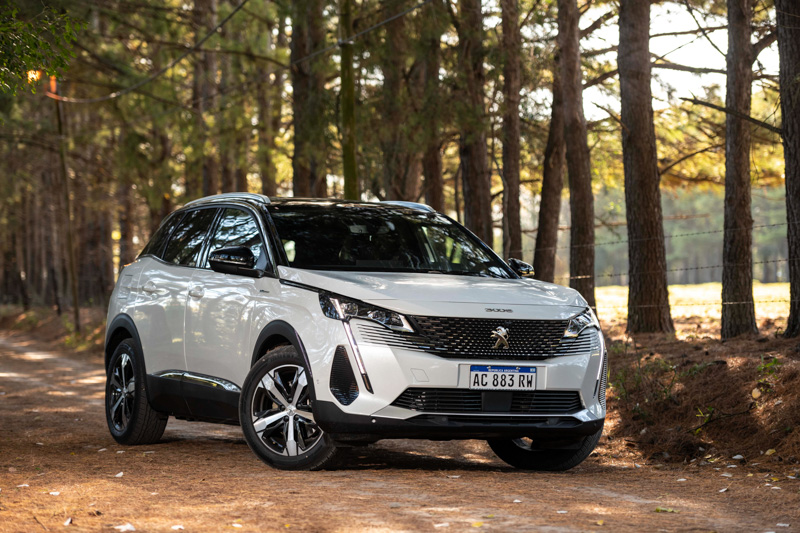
<point>471,338</point>
<point>343,382</point>
<point>475,401</point>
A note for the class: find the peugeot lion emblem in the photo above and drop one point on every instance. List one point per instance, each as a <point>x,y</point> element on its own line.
<point>501,334</point>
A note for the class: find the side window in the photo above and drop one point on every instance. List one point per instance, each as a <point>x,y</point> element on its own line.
<point>156,244</point>
<point>237,228</point>
<point>186,243</point>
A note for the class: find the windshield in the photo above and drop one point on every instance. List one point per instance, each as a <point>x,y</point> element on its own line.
<point>380,239</point>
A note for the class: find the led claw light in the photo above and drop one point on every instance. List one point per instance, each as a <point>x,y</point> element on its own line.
<point>578,323</point>
<point>344,309</point>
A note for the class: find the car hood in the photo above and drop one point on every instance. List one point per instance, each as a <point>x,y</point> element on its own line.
<point>446,295</point>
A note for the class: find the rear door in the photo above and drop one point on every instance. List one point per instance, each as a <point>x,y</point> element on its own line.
<point>164,286</point>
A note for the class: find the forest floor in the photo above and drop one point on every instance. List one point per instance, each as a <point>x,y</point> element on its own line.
<point>701,435</point>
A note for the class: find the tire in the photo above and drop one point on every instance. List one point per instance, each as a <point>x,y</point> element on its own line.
<point>519,454</point>
<point>130,418</point>
<point>276,414</point>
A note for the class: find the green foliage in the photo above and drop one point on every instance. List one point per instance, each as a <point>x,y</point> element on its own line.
<point>41,43</point>
<point>769,368</point>
<point>705,417</point>
<point>696,369</point>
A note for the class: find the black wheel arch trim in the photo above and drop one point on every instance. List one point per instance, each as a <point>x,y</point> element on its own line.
<point>121,323</point>
<point>283,329</point>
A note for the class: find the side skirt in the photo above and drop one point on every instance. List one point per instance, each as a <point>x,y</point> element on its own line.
<point>192,396</point>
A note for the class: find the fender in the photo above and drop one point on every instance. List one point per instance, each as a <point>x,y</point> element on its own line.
<point>279,328</point>
<point>121,327</point>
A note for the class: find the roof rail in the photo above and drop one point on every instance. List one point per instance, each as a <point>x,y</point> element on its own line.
<point>260,198</point>
<point>412,205</point>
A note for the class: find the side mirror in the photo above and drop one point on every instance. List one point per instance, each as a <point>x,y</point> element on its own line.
<point>237,260</point>
<point>523,269</point>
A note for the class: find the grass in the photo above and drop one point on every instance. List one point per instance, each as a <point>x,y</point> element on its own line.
<point>701,300</point>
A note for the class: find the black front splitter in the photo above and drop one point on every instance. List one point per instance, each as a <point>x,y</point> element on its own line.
<point>348,427</point>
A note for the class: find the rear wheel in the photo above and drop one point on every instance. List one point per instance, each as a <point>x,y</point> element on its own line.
<point>276,415</point>
<point>524,454</point>
<point>130,418</point>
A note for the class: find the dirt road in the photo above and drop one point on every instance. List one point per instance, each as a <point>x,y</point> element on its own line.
<point>58,465</point>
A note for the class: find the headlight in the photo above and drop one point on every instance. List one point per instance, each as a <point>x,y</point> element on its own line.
<point>343,309</point>
<point>580,322</point>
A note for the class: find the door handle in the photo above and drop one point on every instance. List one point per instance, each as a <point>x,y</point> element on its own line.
<point>197,292</point>
<point>150,287</point>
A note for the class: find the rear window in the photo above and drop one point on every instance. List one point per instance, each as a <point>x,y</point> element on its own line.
<point>156,244</point>
<point>186,242</point>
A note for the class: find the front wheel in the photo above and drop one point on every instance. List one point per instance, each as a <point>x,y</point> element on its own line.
<point>524,454</point>
<point>276,415</point>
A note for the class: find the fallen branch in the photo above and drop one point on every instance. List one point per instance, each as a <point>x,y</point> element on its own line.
<point>723,417</point>
<point>37,521</point>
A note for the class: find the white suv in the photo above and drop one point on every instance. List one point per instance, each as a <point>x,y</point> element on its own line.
<point>319,324</point>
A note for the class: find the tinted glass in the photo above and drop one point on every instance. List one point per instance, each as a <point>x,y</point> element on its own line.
<point>159,238</point>
<point>379,239</point>
<point>186,243</point>
<point>237,228</point>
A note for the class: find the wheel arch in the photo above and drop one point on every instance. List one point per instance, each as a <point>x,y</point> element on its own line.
<point>279,333</point>
<point>120,328</point>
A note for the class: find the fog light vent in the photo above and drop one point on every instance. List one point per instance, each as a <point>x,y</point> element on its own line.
<point>343,382</point>
<point>604,381</point>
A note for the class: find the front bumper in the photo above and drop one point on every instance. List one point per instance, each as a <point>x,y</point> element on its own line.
<point>348,406</point>
<point>351,427</point>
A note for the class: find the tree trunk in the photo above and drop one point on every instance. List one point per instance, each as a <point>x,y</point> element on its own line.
<point>738,316</point>
<point>308,100</point>
<point>348,104</point>
<point>71,241</point>
<point>204,98</point>
<point>266,133</point>
<point>648,297</point>
<point>544,258</point>
<point>400,166</point>
<point>432,156</point>
<point>21,274</point>
<point>788,12</point>
<point>581,200</point>
<point>278,87</point>
<point>126,252</point>
<point>512,232</point>
<point>475,174</point>
<point>226,118</point>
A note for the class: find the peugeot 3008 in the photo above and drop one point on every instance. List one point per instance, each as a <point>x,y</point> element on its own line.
<point>319,324</point>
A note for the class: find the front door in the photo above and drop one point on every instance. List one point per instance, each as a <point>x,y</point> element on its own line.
<point>219,307</point>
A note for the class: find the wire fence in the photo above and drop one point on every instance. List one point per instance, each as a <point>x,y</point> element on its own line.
<point>671,236</point>
<point>685,269</point>
<point>702,304</point>
<point>775,303</point>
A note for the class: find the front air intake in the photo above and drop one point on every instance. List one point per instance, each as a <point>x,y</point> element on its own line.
<point>343,382</point>
<point>604,381</point>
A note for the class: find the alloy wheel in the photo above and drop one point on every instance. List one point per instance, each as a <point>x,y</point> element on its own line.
<point>122,392</point>
<point>281,412</point>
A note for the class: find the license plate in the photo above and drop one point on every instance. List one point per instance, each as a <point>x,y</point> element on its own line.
<point>491,377</point>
